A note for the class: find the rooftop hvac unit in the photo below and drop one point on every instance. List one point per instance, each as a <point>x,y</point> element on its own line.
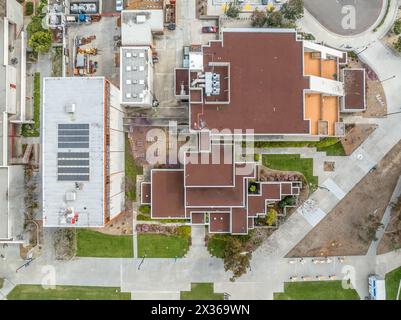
<point>128,68</point>
<point>182,92</point>
<point>70,196</point>
<point>140,18</point>
<point>141,68</point>
<point>128,54</point>
<point>141,95</point>
<point>134,54</point>
<point>142,55</point>
<point>141,81</point>
<point>128,81</point>
<point>128,95</point>
<point>70,108</point>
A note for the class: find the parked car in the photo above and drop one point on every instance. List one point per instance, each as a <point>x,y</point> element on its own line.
<point>119,5</point>
<point>209,29</point>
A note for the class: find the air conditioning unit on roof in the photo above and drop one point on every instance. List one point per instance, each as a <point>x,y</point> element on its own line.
<point>140,18</point>
<point>70,108</point>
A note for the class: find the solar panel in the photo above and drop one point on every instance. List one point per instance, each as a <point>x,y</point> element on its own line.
<point>71,155</point>
<point>73,136</point>
<point>73,139</point>
<point>73,170</point>
<point>73,126</point>
<point>69,163</point>
<point>73,177</point>
<point>73,132</point>
<point>73,145</point>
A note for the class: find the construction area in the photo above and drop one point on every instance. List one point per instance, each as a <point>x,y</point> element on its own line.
<point>94,49</point>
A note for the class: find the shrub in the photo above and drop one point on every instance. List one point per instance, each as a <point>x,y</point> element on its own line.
<point>258,18</point>
<point>232,10</point>
<point>397,27</point>
<point>287,201</point>
<point>144,208</point>
<point>28,8</point>
<point>397,44</point>
<point>271,217</point>
<point>183,231</point>
<point>293,9</point>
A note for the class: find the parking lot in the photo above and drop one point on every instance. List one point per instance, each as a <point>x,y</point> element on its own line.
<point>102,36</point>
<point>332,13</point>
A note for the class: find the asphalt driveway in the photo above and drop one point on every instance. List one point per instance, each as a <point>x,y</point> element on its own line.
<point>333,14</point>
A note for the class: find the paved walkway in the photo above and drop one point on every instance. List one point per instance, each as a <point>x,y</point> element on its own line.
<point>358,42</point>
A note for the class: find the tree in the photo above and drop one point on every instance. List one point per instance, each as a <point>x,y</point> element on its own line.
<point>41,41</point>
<point>35,25</point>
<point>274,19</point>
<point>235,259</point>
<point>258,18</point>
<point>232,10</point>
<point>293,9</point>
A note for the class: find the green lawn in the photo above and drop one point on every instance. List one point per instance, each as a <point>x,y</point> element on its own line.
<point>37,292</point>
<point>162,246</point>
<point>95,244</point>
<point>1,282</point>
<point>316,290</point>
<point>216,246</point>
<point>292,162</point>
<point>332,146</point>
<point>28,130</point>
<point>131,171</point>
<point>393,279</point>
<point>201,291</point>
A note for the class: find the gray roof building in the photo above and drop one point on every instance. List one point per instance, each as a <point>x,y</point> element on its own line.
<point>82,152</point>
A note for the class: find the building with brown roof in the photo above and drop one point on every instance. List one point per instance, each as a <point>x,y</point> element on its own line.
<point>219,196</point>
<point>266,82</point>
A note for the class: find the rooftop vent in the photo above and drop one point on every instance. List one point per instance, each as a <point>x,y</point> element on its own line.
<point>70,108</point>
<point>140,18</point>
<point>70,196</point>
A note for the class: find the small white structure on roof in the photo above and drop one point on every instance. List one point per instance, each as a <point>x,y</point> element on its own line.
<point>82,152</point>
<point>137,26</point>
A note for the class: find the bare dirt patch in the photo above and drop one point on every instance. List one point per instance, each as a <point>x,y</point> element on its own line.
<point>355,135</point>
<point>376,105</point>
<point>121,225</point>
<point>392,236</point>
<point>342,231</point>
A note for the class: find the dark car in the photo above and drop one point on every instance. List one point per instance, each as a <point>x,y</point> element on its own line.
<point>209,29</point>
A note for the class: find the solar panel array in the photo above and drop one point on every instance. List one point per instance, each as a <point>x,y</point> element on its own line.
<point>73,165</point>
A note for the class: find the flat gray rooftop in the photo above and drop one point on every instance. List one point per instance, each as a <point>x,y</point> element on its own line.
<point>73,146</point>
<point>134,75</point>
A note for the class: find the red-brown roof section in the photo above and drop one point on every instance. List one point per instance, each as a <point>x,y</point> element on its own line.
<point>168,194</point>
<point>219,222</point>
<point>239,221</point>
<point>146,193</point>
<point>354,83</point>
<point>266,84</point>
<point>214,168</point>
